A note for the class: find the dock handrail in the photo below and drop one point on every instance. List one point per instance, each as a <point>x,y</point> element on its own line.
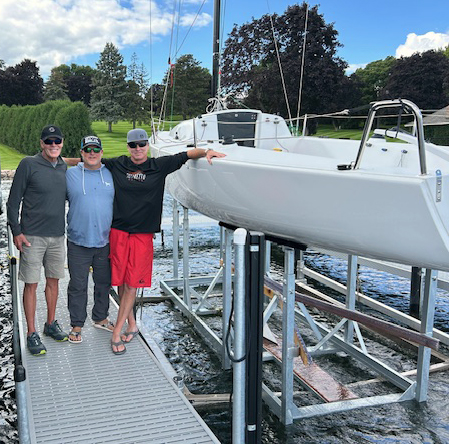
<point>419,129</point>
<point>19,368</point>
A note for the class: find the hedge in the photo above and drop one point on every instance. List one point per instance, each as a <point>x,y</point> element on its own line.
<point>21,126</point>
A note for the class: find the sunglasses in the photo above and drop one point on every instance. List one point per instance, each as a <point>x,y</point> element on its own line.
<point>52,141</point>
<point>89,149</point>
<point>135,144</point>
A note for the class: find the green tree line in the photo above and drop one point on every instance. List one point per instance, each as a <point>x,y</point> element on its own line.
<point>20,126</point>
<point>258,58</point>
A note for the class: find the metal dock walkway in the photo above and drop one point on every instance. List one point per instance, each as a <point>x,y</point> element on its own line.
<point>82,393</point>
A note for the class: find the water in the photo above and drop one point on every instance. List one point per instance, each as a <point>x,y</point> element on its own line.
<point>408,422</point>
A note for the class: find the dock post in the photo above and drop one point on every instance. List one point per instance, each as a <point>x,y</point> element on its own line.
<point>288,340</point>
<point>227,293</point>
<point>255,297</point>
<point>267,257</point>
<point>350,296</point>
<point>415,291</point>
<point>185,260</point>
<point>239,358</point>
<point>427,318</point>
<point>19,370</point>
<point>175,239</point>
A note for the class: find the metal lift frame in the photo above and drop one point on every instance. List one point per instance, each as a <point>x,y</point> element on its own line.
<point>328,341</point>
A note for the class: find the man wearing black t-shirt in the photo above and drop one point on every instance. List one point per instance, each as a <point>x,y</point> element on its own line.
<point>139,187</point>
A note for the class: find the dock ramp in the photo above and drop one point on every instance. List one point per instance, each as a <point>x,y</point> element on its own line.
<point>82,393</point>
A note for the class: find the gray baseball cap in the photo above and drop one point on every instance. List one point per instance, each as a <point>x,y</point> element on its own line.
<point>135,135</point>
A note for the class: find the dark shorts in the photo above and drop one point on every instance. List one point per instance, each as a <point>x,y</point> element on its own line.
<point>131,257</point>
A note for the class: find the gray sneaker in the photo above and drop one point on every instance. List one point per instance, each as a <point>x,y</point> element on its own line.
<point>35,345</point>
<point>55,331</point>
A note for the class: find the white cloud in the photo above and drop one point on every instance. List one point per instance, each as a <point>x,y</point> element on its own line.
<point>421,43</point>
<point>52,32</point>
<point>353,67</point>
<point>198,20</point>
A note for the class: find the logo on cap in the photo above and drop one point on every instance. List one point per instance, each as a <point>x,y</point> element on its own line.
<point>91,139</point>
<point>51,129</point>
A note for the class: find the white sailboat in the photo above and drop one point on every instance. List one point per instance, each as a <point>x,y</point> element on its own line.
<point>387,201</point>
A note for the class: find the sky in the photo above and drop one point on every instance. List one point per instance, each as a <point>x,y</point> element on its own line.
<point>53,32</point>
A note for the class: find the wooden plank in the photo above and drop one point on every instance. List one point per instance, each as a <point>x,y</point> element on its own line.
<point>317,379</point>
<point>374,323</point>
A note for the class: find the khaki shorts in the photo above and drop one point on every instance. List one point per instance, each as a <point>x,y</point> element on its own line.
<point>46,251</point>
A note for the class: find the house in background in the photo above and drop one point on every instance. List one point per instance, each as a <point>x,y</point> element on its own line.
<point>436,127</point>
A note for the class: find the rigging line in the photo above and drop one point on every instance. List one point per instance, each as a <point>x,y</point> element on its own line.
<point>173,67</point>
<point>302,65</point>
<point>280,65</point>
<point>191,26</point>
<point>171,32</point>
<point>151,71</point>
<point>164,97</point>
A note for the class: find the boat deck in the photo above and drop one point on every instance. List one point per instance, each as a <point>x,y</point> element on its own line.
<point>82,393</point>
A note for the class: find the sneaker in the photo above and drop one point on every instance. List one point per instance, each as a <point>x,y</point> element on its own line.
<point>55,331</point>
<point>35,345</point>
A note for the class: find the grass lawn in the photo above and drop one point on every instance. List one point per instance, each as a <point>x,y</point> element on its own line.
<point>329,131</point>
<point>9,157</point>
<point>114,144</point>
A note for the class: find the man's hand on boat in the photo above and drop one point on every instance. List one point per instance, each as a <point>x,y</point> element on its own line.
<point>209,153</point>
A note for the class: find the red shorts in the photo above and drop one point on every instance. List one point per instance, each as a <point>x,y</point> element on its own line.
<point>131,257</point>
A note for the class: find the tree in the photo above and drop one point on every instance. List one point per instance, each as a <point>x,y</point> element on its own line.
<point>56,87</point>
<point>154,97</point>
<point>190,86</point>
<point>21,84</point>
<point>373,78</point>
<point>250,66</point>
<point>109,82</point>
<point>421,79</point>
<point>137,86</point>
<point>79,83</point>
<point>72,82</point>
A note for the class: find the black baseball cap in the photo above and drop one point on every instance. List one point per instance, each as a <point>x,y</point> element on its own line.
<point>51,131</point>
<point>90,141</point>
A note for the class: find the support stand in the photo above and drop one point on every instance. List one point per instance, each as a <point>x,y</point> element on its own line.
<point>328,340</point>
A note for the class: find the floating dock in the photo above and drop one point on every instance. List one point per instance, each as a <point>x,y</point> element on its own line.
<point>82,393</point>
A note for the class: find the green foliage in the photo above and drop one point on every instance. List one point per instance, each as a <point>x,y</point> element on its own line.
<point>109,95</point>
<point>21,126</point>
<point>373,78</point>
<point>136,109</point>
<point>251,68</point>
<point>190,88</point>
<point>420,78</point>
<point>72,82</point>
<point>438,134</point>
<point>21,84</point>
<point>75,123</point>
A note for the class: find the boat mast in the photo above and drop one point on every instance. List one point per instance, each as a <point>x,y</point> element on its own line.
<point>216,50</point>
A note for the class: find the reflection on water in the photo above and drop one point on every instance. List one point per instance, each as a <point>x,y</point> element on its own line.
<point>407,422</point>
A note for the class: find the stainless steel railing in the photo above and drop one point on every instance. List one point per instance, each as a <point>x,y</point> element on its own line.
<point>408,105</point>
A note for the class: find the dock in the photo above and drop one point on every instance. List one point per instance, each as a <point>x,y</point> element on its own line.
<point>83,393</point>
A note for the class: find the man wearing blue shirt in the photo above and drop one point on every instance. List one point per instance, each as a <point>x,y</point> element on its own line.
<point>90,192</point>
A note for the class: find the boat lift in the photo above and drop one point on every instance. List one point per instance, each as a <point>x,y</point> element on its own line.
<point>290,296</point>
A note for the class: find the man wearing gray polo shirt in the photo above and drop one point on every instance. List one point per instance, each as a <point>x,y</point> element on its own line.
<point>39,185</point>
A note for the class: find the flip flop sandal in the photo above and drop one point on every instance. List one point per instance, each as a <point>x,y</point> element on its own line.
<point>77,335</point>
<point>133,334</point>
<point>117,344</point>
<point>105,325</point>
